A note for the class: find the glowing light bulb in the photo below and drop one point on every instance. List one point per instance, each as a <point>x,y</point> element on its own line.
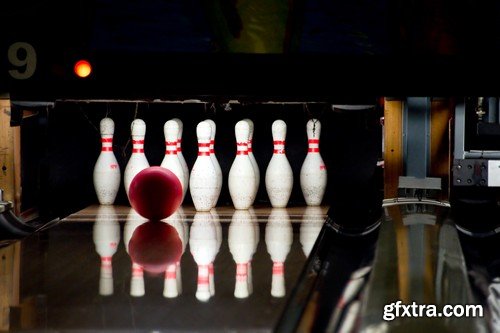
<point>82,68</point>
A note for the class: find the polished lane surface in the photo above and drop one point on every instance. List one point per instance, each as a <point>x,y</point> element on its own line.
<point>79,276</point>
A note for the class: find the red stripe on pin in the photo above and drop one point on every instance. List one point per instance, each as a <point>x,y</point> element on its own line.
<point>171,275</point>
<point>313,150</point>
<point>170,152</point>
<point>137,150</point>
<point>107,140</point>
<point>138,141</point>
<point>278,268</point>
<point>171,143</point>
<point>203,144</point>
<point>242,152</point>
<point>107,149</point>
<point>202,279</point>
<point>203,153</point>
<point>279,142</point>
<point>279,151</point>
<point>313,140</point>
<point>241,143</point>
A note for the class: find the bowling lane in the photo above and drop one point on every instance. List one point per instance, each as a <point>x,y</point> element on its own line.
<point>236,272</point>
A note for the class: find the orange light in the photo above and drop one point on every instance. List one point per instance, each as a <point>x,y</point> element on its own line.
<point>82,68</point>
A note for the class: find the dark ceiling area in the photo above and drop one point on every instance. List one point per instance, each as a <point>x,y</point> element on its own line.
<point>214,46</point>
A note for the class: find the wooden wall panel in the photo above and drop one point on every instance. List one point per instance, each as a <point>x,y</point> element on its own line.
<point>393,146</point>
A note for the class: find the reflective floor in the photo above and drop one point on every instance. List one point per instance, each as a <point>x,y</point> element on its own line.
<point>106,268</point>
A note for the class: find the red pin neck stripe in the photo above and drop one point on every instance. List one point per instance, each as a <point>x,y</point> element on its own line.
<point>313,140</point>
<point>277,149</point>
<point>171,272</point>
<point>137,271</point>
<point>203,274</point>
<point>171,148</point>
<point>278,268</point>
<point>241,148</point>
<point>241,272</point>
<point>313,150</point>
<point>138,146</point>
<point>107,144</point>
<point>204,149</point>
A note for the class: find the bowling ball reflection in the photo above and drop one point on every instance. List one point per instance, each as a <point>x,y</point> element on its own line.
<point>155,193</point>
<point>154,246</point>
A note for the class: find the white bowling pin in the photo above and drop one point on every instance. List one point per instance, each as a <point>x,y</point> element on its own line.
<point>203,247</point>
<point>313,175</point>
<point>215,161</point>
<point>137,280</point>
<point>181,156</point>
<point>138,160</point>
<point>312,222</point>
<point>106,236</point>
<point>279,175</point>
<point>241,245</point>
<point>203,180</point>
<point>279,238</point>
<point>171,283</point>
<point>171,160</point>
<point>106,170</point>
<point>251,155</point>
<point>241,175</point>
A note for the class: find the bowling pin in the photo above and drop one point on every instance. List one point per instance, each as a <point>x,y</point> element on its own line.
<point>241,175</point>
<point>310,227</point>
<point>138,160</point>
<point>181,156</point>
<point>279,238</point>
<point>215,161</point>
<point>137,280</point>
<point>251,155</point>
<point>241,245</point>
<point>279,175</point>
<point>313,175</point>
<point>203,247</point>
<point>171,160</point>
<point>106,170</point>
<point>106,236</point>
<point>203,180</point>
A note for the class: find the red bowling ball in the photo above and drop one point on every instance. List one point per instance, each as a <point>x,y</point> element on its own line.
<point>155,193</point>
<point>155,246</point>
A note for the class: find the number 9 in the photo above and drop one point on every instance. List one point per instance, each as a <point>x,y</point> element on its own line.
<point>27,60</point>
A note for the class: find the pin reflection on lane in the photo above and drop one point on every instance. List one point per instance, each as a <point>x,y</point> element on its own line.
<point>218,232</point>
<point>137,280</point>
<point>279,238</point>
<point>106,236</point>
<point>173,281</point>
<point>241,241</point>
<point>203,247</point>
<point>310,227</point>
